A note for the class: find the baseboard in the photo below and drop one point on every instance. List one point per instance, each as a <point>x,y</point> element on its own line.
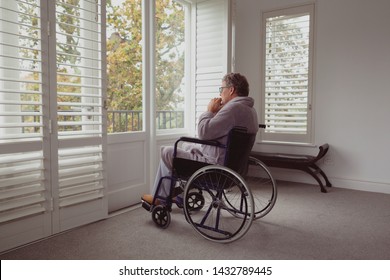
<point>360,185</point>
<point>345,183</point>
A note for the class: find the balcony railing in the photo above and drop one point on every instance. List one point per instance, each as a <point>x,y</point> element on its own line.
<point>131,120</point>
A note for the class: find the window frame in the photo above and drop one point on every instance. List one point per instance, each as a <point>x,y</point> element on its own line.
<point>290,137</point>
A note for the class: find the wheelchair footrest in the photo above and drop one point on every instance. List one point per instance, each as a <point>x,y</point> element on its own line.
<point>146,205</point>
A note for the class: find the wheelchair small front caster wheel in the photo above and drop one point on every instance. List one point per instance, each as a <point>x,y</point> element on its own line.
<point>161,216</point>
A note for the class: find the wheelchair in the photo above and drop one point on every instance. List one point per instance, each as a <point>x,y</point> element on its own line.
<point>219,201</point>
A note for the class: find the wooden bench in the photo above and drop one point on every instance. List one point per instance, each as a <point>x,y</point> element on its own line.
<point>306,163</point>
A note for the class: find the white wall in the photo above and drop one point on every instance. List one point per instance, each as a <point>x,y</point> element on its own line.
<point>351,86</point>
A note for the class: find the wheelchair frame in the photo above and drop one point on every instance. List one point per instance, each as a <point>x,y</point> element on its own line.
<point>219,201</point>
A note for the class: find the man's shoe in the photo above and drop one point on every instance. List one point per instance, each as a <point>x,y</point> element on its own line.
<point>149,199</point>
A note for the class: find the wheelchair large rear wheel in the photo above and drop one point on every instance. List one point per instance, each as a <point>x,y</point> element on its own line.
<point>224,208</point>
<point>262,186</point>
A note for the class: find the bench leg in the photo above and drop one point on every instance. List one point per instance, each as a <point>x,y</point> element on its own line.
<point>314,175</point>
<point>328,184</point>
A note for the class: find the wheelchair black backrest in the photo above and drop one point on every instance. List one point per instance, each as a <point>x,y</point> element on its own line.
<point>239,146</point>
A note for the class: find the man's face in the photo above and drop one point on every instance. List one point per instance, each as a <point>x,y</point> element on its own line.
<point>225,93</point>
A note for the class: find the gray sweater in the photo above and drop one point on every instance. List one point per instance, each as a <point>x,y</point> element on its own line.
<point>237,112</point>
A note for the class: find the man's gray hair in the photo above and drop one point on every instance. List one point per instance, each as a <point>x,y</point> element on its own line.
<point>238,81</point>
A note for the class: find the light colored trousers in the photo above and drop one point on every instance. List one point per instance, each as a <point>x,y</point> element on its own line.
<point>187,151</point>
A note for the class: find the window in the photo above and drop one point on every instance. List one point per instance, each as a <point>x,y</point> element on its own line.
<point>170,63</point>
<point>287,81</point>
<point>124,64</point>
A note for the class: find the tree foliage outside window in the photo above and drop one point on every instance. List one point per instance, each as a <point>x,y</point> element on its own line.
<point>124,61</point>
<point>170,40</point>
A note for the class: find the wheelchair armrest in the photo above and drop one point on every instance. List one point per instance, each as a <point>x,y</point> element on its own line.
<point>197,141</point>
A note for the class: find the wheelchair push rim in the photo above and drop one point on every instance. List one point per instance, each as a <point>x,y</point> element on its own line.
<point>225,207</point>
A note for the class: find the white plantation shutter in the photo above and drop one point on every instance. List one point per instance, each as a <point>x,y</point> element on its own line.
<point>287,74</point>
<point>80,111</point>
<point>24,185</point>
<point>213,50</point>
<point>52,131</point>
